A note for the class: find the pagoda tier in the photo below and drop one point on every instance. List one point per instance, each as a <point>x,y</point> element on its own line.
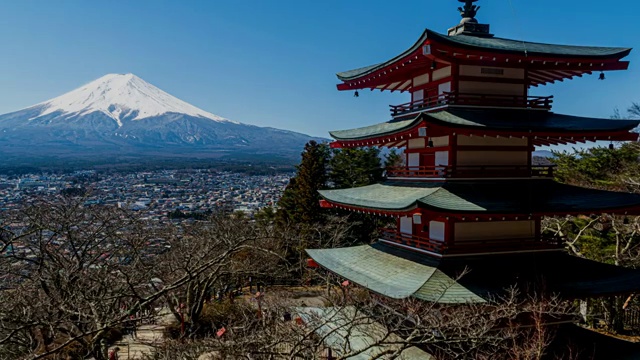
<point>455,218</point>
<point>459,62</point>
<point>402,274</point>
<point>540,127</point>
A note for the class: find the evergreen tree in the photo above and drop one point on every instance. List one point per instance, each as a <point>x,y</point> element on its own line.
<point>300,202</point>
<point>355,167</point>
<point>393,158</point>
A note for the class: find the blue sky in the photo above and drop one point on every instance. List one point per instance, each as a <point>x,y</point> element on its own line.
<point>273,62</point>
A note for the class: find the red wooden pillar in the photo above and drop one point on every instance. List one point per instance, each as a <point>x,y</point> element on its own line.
<point>453,150</point>
<point>450,232</point>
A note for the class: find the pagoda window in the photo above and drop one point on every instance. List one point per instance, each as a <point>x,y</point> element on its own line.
<point>494,230</point>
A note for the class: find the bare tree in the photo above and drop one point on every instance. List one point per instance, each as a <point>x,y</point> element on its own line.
<point>359,323</point>
<point>76,275</point>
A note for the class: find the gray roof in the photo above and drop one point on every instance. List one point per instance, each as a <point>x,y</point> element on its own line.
<point>399,273</point>
<point>487,196</point>
<point>498,45</point>
<point>516,120</point>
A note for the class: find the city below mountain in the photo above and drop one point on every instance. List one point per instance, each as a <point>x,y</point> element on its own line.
<point>121,116</point>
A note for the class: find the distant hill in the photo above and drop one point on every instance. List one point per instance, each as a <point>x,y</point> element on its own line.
<point>543,154</point>
<point>121,116</point>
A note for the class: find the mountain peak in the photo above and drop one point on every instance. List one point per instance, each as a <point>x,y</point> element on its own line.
<point>121,96</point>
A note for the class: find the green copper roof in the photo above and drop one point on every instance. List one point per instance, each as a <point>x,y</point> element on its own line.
<point>492,119</point>
<point>393,276</point>
<point>487,196</point>
<point>400,273</point>
<point>382,196</point>
<point>497,45</point>
<point>375,130</point>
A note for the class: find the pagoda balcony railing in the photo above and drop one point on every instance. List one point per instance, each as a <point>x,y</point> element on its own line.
<point>471,99</point>
<point>471,246</point>
<point>418,242</point>
<point>476,171</point>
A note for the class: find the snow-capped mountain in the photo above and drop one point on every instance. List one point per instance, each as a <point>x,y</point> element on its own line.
<point>123,114</point>
<point>120,96</point>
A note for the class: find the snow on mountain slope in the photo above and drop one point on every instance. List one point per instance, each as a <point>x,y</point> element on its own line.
<point>120,96</point>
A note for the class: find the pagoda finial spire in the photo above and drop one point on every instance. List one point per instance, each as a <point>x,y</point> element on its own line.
<point>468,11</point>
<point>469,25</point>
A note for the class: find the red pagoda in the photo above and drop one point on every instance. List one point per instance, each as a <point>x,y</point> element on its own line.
<point>469,196</point>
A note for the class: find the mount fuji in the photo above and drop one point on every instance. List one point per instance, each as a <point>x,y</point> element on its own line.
<point>123,115</point>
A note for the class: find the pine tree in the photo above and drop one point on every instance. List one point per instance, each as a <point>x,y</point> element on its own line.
<point>355,167</point>
<point>300,202</point>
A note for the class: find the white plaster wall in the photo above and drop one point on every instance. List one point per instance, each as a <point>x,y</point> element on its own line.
<point>444,87</point>
<point>417,95</point>
<point>420,80</point>
<point>470,158</point>
<point>509,73</point>
<point>442,158</point>
<point>442,73</point>
<point>499,230</point>
<point>413,159</point>
<point>436,230</point>
<point>440,140</point>
<point>416,144</point>
<point>406,225</point>
<point>476,87</point>
<point>490,141</point>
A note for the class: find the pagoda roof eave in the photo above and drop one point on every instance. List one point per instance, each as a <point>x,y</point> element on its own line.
<point>400,274</point>
<point>393,276</point>
<point>486,197</point>
<point>494,45</point>
<point>514,122</point>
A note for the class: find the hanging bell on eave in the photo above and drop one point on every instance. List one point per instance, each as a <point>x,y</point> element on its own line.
<point>601,77</point>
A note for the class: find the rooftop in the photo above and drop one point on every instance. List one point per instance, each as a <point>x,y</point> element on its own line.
<point>401,274</point>
<point>510,122</point>
<point>539,196</point>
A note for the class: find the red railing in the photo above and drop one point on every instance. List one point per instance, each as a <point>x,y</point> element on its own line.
<point>470,246</point>
<point>469,99</point>
<point>412,240</point>
<point>481,171</point>
<point>417,171</point>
